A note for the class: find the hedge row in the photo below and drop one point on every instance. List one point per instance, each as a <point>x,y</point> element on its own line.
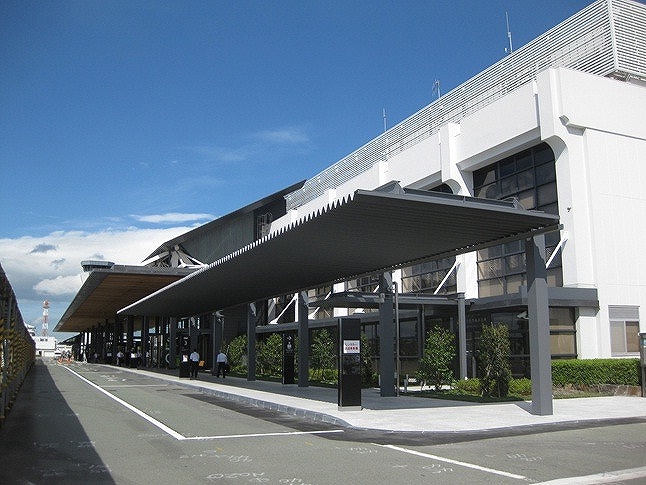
<point>591,372</point>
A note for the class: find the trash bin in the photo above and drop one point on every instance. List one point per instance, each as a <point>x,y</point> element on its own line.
<point>184,366</point>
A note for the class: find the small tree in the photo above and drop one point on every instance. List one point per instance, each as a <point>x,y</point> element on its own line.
<point>368,374</point>
<point>237,354</point>
<point>435,366</point>
<point>270,355</point>
<point>494,351</point>
<point>324,351</point>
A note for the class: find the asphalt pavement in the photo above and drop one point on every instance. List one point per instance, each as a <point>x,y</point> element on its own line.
<point>408,413</point>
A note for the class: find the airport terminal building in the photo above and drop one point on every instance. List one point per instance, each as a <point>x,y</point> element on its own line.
<point>552,137</point>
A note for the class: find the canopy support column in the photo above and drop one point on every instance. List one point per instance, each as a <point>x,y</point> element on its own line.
<point>386,336</point>
<point>462,335</point>
<point>303,340</point>
<point>251,341</point>
<point>172,344</point>
<point>539,326</point>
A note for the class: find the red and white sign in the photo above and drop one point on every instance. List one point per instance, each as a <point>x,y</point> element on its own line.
<point>351,346</point>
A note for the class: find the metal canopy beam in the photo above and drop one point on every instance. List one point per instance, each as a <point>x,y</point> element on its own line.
<point>368,232</point>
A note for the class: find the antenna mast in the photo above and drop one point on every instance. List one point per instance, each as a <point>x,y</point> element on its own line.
<point>384,115</point>
<point>45,318</point>
<point>511,47</point>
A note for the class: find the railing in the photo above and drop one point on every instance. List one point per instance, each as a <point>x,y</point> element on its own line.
<point>607,38</point>
<point>17,348</point>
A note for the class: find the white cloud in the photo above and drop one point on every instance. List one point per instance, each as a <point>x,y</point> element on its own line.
<point>55,274</point>
<point>59,286</point>
<point>173,217</point>
<point>288,135</point>
<point>256,145</point>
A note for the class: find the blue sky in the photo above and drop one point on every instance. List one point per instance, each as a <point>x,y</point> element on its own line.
<point>125,123</point>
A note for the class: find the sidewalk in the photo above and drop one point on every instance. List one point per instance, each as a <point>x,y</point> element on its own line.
<point>408,413</point>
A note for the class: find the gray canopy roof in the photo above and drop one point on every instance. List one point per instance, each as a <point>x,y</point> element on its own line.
<point>366,232</point>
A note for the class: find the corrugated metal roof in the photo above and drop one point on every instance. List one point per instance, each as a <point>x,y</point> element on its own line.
<point>368,232</point>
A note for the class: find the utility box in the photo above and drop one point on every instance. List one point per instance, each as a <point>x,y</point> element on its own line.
<point>184,365</point>
<point>349,364</point>
<point>642,360</point>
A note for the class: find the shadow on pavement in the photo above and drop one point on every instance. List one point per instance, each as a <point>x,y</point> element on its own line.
<point>42,441</point>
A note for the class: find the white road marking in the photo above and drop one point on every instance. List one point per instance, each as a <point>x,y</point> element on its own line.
<point>150,419</point>
<point>179,436</point>
<point>605,477</point>
<point>456,462</point>
<point>253,435</point>
<point>135,385</point>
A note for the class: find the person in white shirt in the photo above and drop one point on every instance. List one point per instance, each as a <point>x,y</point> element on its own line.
<point>194,360</point>
<point>221,360</point>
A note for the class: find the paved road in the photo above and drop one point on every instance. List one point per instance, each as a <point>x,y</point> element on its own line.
<point>97,424</point>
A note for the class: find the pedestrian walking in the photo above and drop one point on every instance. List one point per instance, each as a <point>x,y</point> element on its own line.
<point>222,362</point>
<point>194,360</point>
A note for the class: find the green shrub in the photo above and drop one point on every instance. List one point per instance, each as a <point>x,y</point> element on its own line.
<point>520,387</point>
<point>435,365</point>
<point>592,372</point>
<point>323,349</point>
<point>269,355</point>
<point>468,386</point>
<point>369,378</point>
<point>494,351</point>
<point>237,354</point>
<point>328,376</point>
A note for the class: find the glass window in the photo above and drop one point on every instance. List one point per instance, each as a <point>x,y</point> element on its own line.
<point>562,344</point>
<point>527,199</point>
<point>514,282</point>
<point>543,153</point>
<point>545,173</point>
<point>484,176</point>
<point>530,176</point>
<point>524,160</point>
<point>617,338</point>
<point>508,186</point>
<point>546,194</point>
<point>632,336</point>
<point>490,191</point>
<point>490,288</point>
<point>515,263</point>
<point>526,180</point>
<point>507,167</point>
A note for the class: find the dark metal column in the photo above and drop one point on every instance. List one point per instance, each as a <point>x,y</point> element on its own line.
<point>462,336</point>
<point>172,344</point>
<point>216,340</point>
<point>130,334</point>
<point>386,336</point>
<point>303,340</point>
<point>251,341</point>
<point>145,345</point>
<point>539,327</point>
